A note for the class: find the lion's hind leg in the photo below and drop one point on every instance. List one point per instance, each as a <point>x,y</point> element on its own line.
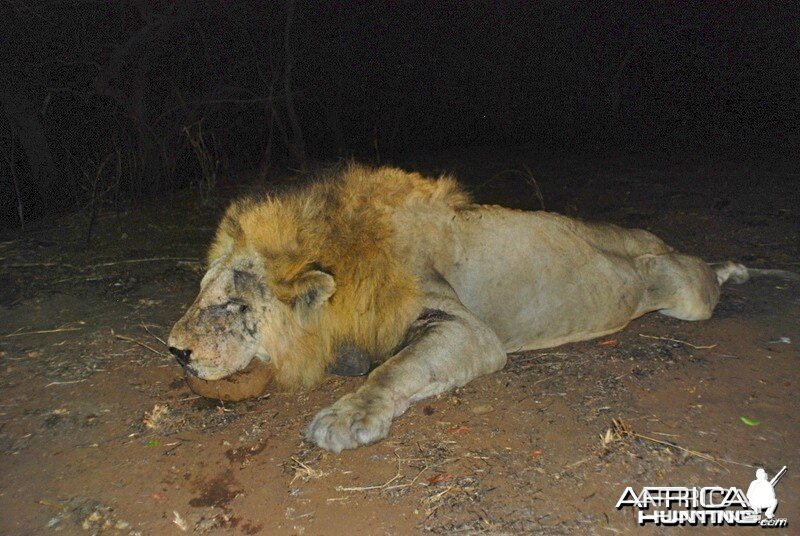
<point>687,288</point>
<point>683,286</point>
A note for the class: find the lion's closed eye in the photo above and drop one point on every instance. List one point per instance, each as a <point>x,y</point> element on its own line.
<point>227,308</point>
<point>235,306</point>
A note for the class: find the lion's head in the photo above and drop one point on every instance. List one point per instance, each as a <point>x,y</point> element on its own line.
<point>294,277</point>
<point>240,315</point>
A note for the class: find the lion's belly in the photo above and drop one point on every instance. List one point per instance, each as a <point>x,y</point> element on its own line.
<point>538,283</point>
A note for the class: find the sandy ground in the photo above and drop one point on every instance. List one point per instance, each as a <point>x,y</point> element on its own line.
<point>100,435</point>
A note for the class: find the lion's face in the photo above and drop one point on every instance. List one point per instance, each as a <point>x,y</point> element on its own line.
<point>221,332</point>
<point>238,317</point>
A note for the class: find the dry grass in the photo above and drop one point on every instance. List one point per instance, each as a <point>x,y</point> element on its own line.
<point>620,431</point>
<point>157,417</point>
<point>304,471</point>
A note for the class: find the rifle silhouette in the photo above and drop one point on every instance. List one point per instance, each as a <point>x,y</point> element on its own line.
<point>777,476</point>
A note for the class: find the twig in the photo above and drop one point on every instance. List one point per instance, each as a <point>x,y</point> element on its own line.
<point>439,495</point>
<point>666,434</point>
<point>51,504</point>
<point>39,332</point>
<point>532,181</point>
<point>99,265</point>
<point>65,383</point>
<point>573,465</point>
<point>546,378</point>
<point>156,337</point>
<point>134,341</point>
<point>670,339</point>
<point>691,452</point>
<point>136,261</point>
<point>413,480</point>
<point>370,488</point>
<point>527,177</point>
<point>93,200</point>
<point>38,265</point>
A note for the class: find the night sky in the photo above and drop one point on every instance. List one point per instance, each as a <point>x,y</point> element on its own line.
<point>112,101</point>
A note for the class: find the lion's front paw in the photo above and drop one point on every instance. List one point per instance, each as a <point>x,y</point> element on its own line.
<point>352,421</point>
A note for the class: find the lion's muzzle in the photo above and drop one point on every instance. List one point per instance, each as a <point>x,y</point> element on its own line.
<point>181,355</point>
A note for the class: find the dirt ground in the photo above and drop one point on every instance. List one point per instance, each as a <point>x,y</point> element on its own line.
<point>100,435</point>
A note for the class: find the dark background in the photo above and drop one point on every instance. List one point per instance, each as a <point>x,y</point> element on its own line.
<point>108,102</point>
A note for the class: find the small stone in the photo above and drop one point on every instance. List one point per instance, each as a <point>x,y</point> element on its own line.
<point>482,409</point>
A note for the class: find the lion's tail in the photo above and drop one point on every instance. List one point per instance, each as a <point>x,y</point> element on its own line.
<point>739,273</point>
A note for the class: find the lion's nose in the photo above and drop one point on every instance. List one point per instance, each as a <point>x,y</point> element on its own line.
<point>181,355</point>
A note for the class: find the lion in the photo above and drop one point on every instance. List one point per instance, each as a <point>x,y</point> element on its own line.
<point>405,276</point>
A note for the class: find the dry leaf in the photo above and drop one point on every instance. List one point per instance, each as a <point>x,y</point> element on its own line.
<point>180,522</point>
<point>438,477</point>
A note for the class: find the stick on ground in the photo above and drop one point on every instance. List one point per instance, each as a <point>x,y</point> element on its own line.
<point>670,339</point>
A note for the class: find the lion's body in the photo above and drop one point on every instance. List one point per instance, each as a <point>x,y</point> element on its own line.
<point>413,274</point>
<point>540,279</point>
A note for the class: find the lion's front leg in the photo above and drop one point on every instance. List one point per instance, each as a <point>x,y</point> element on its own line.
<point>447,347</point>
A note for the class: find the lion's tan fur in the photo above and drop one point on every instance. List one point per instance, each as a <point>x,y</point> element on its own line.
<point>408,271</point>
<point>342,226</point>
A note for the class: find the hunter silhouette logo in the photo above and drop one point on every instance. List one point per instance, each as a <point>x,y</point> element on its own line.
<point>710,505</point>
<point>761,493</point>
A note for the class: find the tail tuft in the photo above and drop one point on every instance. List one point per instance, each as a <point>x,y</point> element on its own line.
<point>731,271</point>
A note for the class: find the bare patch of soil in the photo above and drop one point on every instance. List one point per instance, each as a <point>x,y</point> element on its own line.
<point>100,435</point>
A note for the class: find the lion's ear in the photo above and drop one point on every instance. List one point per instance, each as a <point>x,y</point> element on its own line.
<point>312,289</point>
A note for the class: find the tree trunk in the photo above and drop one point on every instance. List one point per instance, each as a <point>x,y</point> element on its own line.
<point>297,148</point>
<point>25,124</point>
